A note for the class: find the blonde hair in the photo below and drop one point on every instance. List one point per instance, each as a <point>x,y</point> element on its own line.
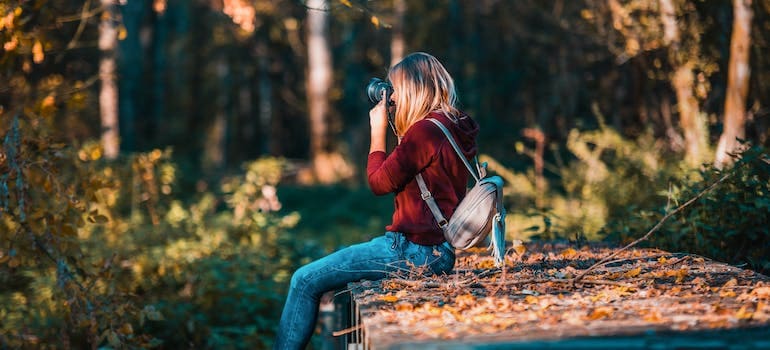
<point>422,85</point>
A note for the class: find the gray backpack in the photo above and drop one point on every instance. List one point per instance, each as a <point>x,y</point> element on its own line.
<point>478,214</point>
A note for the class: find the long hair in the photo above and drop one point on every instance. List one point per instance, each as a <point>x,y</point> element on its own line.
<point>422,85</point>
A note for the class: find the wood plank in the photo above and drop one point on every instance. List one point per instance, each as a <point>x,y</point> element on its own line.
<point>647,296</point>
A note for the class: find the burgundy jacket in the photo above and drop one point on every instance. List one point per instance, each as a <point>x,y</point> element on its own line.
<point>424,148</point>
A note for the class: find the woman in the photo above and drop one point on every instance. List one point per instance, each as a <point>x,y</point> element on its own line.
<point>422,89</point>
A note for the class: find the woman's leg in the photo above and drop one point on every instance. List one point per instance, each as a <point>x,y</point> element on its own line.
<point>371,260</point>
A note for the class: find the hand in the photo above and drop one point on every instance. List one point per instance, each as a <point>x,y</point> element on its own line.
<point>378,116</point>
<point>378,120</point>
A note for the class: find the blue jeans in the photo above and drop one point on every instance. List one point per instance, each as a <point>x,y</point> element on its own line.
<point>377,259</point>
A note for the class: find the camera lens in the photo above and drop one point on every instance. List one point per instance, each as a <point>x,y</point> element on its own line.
<point>375,89</point>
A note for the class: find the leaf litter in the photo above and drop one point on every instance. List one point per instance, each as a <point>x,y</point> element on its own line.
<point>536,296</point>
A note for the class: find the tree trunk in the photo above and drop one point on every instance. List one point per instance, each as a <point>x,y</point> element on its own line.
<point>738,73</point>
<point>682,81</point>
<point>216,136</point>
<point>108,95</point>
<point>318,83</point>
<point>690,119</point>
<point>265,92</point>
<point>397,46</point>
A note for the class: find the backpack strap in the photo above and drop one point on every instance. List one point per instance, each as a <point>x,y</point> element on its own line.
<point>476,175</point>
<point>425,193</point>
<point>431,202</point>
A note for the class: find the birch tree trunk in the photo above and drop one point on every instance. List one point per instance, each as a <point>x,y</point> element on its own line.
<point>691,121</point>
<point>318,83</point>
<point>108,95</point>
<point>738,73</point>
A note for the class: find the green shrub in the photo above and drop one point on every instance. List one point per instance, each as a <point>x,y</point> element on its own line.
<point>730,223</point>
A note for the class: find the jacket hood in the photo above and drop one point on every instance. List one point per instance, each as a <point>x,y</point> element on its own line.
<point>464,131</point>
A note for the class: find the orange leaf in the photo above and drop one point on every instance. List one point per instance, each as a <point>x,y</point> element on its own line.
<point>761,292</point>
<point>600,312</point>
<point>568,253</point>
<point>653,316</point>
<point>389,298</point>
<point>744,313</point>
<point>633,273</point>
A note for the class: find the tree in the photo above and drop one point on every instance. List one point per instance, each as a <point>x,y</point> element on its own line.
<point>737,83</point>
<point>328,166</point>
<point>397,46</point>
<point>108,96</point>
<point>682,81</point>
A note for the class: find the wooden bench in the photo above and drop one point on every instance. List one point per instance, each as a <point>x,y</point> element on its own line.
<point>646,298</point>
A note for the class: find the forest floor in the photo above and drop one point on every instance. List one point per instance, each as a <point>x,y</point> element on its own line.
<point>642,291</point>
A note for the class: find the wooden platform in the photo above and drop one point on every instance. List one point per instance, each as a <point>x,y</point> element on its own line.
<point>647,298</point>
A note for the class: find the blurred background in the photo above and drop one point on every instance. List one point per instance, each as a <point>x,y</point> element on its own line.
<point>167,164</point>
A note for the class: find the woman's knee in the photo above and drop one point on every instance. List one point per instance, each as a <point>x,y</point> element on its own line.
<point>301,277</point>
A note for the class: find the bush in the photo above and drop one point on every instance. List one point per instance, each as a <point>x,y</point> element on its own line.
<point>730,223</point>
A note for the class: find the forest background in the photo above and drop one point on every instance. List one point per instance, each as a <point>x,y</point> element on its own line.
<point>167,164</point>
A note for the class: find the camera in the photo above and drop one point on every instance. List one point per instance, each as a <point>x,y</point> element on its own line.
<point>375,89</point>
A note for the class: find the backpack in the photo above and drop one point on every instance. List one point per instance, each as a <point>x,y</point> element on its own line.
<point>478,214</point>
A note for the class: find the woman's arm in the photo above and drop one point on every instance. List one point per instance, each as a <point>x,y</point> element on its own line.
<point>390,173</point>
<point>378,121</point>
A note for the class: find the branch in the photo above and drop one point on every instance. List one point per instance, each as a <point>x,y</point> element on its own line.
<point>654,228</point>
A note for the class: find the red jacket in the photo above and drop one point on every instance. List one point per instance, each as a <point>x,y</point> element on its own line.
<point>424,148</point>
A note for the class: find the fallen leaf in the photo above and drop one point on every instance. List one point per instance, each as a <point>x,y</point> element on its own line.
<point>632,273</point>
<point>389,298</point>
<point>743,313</point>
<point>600,312</point>
<point>761,292</point>
<point>568,253</point>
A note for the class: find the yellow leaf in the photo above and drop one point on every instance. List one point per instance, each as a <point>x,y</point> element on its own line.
<point>465,300</point>
<point>680,274</point>
<point>586,14</point>
<point>37,52</point>
<point>122,33</point>
<point>375,21</point>
<point>519,247</point>
<point>96,153</point>
<point>346,3</point>
<point>404,307</point>
<point>389,298</point>
<point>632,273</point>
<point>126,329</point>
<point>530,299</point>
<point>600,312</point>
<point>568,253</point>
<point>744,313</point>
<point>484,318</point>
<point>727,294</point>
<point>662,260</point>
<point>11,45</point>
<point>761,292</point>
<point>653,316</point>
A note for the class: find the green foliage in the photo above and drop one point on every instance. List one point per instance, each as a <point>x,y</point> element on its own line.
<point>109,254</point>
<point>731,223</point>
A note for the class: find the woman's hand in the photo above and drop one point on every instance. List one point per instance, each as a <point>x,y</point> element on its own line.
<point>378,121</point>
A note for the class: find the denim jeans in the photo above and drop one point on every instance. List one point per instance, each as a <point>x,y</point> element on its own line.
<point>377,259</point>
